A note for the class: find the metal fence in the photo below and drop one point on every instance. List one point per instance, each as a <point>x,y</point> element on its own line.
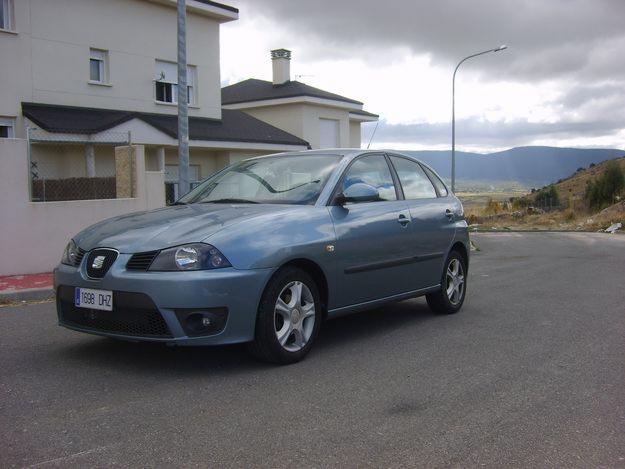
<point>66,166</point>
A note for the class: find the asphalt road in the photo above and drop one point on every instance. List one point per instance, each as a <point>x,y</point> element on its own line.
<point>530,373</point>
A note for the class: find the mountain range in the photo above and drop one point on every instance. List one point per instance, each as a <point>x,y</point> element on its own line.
<point>531,166</point>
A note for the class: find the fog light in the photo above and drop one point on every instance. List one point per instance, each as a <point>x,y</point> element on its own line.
<point>203,322</point>
<point>198,322</point>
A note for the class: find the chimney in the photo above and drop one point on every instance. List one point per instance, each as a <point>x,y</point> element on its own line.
<point>281,61</point>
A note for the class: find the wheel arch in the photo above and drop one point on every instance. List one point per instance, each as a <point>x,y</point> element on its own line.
<point>462,249</point>
<point>315,271</point>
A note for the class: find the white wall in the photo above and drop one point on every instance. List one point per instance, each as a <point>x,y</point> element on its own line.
<point>34,234</point>
<point>47,61</point>
<point>288,117</point>
<point>312,114</point>
<point>302,120</point>
<point>355,134</point>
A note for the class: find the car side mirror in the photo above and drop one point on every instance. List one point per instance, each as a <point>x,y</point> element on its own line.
<point>358,192</point>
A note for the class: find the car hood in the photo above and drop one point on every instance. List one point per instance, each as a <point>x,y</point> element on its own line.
<point>170,226</point>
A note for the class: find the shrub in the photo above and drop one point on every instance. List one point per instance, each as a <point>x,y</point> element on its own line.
<point>607,188</point>
<point>492,207</point>
<point>520,203</point>
<point>547,197</point>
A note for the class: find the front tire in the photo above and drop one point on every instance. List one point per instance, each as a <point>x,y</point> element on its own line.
<point>289,317</point>
<point>450,297</point>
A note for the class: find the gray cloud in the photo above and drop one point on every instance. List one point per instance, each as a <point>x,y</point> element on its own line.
<point>575,44</point>
<point>547,38</point>
<point>484,133</point>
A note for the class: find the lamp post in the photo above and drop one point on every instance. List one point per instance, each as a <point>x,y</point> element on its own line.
<point>453,112</point>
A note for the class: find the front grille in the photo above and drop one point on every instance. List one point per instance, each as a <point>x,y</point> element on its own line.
<point>79,255</point>
<point>134,314</point>
<point>99,261</point>
<point>141,260</point>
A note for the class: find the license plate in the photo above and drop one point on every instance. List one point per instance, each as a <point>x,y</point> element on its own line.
<point>93,299</point>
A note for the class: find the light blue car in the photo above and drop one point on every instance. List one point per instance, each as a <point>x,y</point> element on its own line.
<point>266,249</point>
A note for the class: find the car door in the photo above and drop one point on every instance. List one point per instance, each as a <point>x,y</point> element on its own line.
<point>432,227</point>
<point>370,255</point>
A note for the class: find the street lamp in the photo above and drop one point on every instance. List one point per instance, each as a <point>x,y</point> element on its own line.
<point>453,112</point>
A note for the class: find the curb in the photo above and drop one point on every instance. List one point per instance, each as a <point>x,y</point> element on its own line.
<point>28,294</point>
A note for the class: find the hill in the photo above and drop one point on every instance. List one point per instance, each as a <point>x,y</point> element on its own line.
<point>574,186</point>
<point>531,166</point>
<point>571,213</point>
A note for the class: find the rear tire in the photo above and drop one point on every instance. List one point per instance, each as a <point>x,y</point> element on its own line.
<point>450,297</point>
<point>289,318</point>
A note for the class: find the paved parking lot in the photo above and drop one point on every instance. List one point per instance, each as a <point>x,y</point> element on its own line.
<point>530,373</point>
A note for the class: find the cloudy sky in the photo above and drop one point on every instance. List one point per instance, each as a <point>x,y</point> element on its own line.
<point>561,82</point>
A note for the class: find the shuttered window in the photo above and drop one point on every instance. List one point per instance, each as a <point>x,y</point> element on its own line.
<point>166,83</point>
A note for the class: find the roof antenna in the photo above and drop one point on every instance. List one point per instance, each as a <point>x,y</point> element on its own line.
<point>373,134</point>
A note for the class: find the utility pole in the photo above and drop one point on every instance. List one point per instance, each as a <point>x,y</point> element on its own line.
<point>183,105</point>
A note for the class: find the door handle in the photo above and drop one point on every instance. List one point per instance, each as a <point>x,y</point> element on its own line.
<point>403,220</point>
<point>449,214</point>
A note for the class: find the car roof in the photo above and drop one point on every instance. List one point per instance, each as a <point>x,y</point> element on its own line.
<point>350,153</point>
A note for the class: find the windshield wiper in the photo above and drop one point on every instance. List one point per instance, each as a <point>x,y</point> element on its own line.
<point>179,203</point>
<point>229,201</point>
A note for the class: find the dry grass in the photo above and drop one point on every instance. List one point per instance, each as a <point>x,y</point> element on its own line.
<point>578,220</point>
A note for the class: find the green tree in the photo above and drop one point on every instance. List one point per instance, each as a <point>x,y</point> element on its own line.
<point>547,197</point>
<point>604,190</point>
<point>613,181</point>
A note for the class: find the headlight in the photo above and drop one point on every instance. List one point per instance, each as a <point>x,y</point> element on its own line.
<point>198,256</point>
<point>70,255</point>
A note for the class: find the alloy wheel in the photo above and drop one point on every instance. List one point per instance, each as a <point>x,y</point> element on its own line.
<point>294,316</point>
<point>455,282</point>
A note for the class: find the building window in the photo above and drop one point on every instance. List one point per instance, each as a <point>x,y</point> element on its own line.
<point>98,66</point>
<point>166,83</point>
<point>329,133</point>
<point>6,14</point>
<point>7,127</point>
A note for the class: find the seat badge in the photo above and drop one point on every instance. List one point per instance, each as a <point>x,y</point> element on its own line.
<point>98,262</point>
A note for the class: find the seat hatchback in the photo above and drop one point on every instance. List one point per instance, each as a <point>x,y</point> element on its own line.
<point>264,250</point>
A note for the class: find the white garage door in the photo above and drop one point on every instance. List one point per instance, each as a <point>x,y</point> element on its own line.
<point>329,133</point>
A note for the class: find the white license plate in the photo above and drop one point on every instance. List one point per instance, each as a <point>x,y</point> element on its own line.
<point>93,299</point>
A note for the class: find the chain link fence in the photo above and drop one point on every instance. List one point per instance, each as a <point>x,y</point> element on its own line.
<point>65,166</point>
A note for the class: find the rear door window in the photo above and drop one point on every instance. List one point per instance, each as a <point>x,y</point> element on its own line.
<point>414,181</point>
<point>440,187</point>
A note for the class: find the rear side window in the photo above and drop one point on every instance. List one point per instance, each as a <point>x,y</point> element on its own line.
<point>440,187</point>
<point>414,182</point>
<point>372,170</point>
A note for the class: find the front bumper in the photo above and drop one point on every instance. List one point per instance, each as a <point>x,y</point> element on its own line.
<point>154,306</point>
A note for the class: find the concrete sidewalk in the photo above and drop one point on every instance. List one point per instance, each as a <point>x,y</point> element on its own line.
<point>31,287</point>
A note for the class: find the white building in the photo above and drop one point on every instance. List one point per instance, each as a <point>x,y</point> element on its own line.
<point>88,126</point>
<point>94,70</point>
<point>84,73</point>
<point>324,119</point>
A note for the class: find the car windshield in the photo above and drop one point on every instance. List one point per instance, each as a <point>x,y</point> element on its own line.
<point>295,179</point>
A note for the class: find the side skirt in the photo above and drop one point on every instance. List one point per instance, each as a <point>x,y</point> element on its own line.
<point>344,310</point>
